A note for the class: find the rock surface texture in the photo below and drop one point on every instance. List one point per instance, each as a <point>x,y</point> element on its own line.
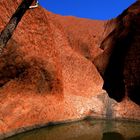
<point>121,56</point>
<point>54,68</point>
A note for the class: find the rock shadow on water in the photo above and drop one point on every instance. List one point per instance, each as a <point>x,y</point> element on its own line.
<point>112,136</point>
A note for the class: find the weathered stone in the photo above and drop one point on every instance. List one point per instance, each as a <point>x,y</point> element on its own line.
<point>45,75</point>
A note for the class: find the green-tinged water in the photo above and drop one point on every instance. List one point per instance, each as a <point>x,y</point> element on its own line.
<point>85,130</point>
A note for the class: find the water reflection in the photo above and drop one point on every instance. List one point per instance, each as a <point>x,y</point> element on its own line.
<point>112,136</point>
<point>135,138</point>
<point>85,130</point>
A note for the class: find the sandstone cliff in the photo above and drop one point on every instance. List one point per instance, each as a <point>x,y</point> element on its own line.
<point>47,71</point>
<point>84,35</point>
<point>119,63</point>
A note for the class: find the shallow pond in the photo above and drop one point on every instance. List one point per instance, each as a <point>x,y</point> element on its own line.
<point>85,130</point>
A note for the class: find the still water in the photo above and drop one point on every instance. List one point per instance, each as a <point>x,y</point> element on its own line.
<point>85,130</point>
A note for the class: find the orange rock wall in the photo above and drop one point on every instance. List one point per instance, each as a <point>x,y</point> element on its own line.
<point>45,78</point>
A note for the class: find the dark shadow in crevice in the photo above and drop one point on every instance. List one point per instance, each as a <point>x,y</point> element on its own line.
<point>134,94</point>
<point>113,75</point>
<point>123,49</point>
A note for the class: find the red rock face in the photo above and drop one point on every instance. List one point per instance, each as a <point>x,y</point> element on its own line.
<point>47,72</point>
<point>84,35</point>
<point>121,58</point>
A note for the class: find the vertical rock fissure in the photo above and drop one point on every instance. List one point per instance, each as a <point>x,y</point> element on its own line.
<point>7,32</point>
<point>119,62</point>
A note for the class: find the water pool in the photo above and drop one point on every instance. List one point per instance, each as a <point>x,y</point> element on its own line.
<point>85,130</point>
